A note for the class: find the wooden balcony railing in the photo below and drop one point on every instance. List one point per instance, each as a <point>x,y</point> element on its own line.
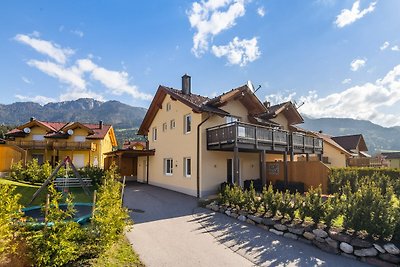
<point>258,137</point>
<point>49,144</point>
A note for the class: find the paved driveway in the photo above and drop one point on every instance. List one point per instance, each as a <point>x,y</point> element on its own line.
<point>170,230</point>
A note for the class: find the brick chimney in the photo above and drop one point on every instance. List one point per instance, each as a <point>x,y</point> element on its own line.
<point>186,84</point>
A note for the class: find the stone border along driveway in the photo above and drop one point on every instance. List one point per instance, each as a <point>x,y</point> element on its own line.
<point>173,231</point>
<point>386,254</point>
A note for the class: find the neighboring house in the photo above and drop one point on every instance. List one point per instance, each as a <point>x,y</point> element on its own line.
<point>84,143</point>
<point>334,155</point>
<point>392,158</point>
<point>9,154</point>
<point>355,144</point>
<point>200,142</point>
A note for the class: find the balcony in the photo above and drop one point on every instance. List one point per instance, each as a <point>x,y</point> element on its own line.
<point>253,137</point>
<point>31,144</point>
<point>57,145</point>
<point>66,145</point>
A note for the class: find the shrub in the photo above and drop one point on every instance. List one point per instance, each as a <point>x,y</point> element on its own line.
<point>290,204</point>
<point>94,173</point>
<point>332,209</point>
<point>252,202</point>
<point>109,217</point>
<point>60,243</point>
<point>313,205</point>
<point>17,171</point>
<point>370,210</point>
<point>9,214</point>
<point>271,201</point>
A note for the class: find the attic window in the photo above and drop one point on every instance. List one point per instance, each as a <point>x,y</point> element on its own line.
<point>230,119</point>
<point>168,106</point>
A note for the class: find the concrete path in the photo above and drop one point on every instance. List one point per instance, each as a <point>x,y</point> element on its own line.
<point>170,230</point>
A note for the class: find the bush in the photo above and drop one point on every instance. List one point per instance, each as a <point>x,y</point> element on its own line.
<point>17,171</point>
<point>313,205</point>
<point>9,215</point>
<point>271,201</point>
<point>109,217</point>
<point>371,210</point>
<point>61,242</point>
<point>94,173</point>
<point>333,208</point>
<point>290,204</point>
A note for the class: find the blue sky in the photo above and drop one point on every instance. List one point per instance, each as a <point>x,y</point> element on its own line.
<point>339,58</point>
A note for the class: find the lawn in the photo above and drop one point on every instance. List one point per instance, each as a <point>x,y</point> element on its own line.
<point>27,190</point>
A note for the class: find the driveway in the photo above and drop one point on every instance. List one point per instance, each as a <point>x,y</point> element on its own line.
<point>170,230</point>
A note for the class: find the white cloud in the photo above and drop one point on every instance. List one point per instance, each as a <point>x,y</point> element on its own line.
<point>384,45</point>
<point>280,98</point>
<point>26,80</point>
<point>356,64</point>
<point>395,48</point>
<point>347,16</point>
<point>364,101</point>
<point>346,81</point>
<point>78,76</point>
<point>70,76</point>
<point>238,52</point>
<point>78,33</point>
<point>261,11</point>
<point>38,99</point>
<point>210,18</point>
<point>48,48</point>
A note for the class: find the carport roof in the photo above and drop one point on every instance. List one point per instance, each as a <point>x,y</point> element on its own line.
<point>130,153</point>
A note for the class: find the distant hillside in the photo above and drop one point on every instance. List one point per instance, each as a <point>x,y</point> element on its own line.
<point>84,110</point>
<point>377,137</point>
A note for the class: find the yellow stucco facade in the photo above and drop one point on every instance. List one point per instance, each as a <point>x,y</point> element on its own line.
<point>82,150</point>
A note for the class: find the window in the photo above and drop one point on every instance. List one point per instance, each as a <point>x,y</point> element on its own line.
<point>39,157</point>
<point>155,134</point>
<point>188,123</point>
<point>79,138</point>
<point>168,106</point>
<point>168,166</point>
<point>187,163</point>
<point>37,137</point>
<point>164,127</point>
<point>230,119</point>
<point>172,124</point>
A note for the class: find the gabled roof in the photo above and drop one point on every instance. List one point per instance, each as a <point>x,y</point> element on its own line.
<point>59,129</point>
<point>197,103</point>
<point>351,142</point>
<point>288,109</point>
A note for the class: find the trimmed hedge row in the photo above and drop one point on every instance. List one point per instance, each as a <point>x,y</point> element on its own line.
<point>370,209</point>
<point>384,177</point>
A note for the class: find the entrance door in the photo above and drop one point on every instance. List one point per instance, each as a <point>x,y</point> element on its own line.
<point>229,171</point>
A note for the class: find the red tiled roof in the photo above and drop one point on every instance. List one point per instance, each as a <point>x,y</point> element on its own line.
<point>55,129</point>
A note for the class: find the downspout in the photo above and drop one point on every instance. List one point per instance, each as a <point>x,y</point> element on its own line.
<point>198,154</point>
<point>147,161</point>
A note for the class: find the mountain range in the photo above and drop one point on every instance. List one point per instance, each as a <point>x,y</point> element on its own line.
<point>126,119</point>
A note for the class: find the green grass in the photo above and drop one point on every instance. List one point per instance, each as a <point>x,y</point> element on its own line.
<point>119,254</point>
<point>27,190</point>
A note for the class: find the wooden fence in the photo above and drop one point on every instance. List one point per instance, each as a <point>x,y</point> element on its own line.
<point>311,173</point>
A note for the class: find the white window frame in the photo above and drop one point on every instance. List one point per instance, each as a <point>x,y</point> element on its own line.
<point>230,119</point>
<point>187,167</point>
<point>154,134</point>
<point>164,127</point>
<point>186,124</point>
<point>168,108</point>
<point>172,124</point>
<point>168,162</point>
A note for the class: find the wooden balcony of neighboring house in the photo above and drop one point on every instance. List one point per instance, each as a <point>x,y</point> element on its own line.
<point>367,162</point>
<point>68,145</point>
<point>251,137</point>
<point>31,144</point>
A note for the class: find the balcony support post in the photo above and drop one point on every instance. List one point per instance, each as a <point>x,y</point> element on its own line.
<point>263,169</point>
<point>307,157</point>
<point>236,165</point>
<point>285,170</point>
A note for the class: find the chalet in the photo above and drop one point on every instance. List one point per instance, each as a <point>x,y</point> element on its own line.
<point>84,143</point>
<point>200,142</point>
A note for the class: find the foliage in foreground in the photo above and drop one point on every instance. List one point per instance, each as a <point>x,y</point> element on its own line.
<point>369,209</point>
<point>9,216</point>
